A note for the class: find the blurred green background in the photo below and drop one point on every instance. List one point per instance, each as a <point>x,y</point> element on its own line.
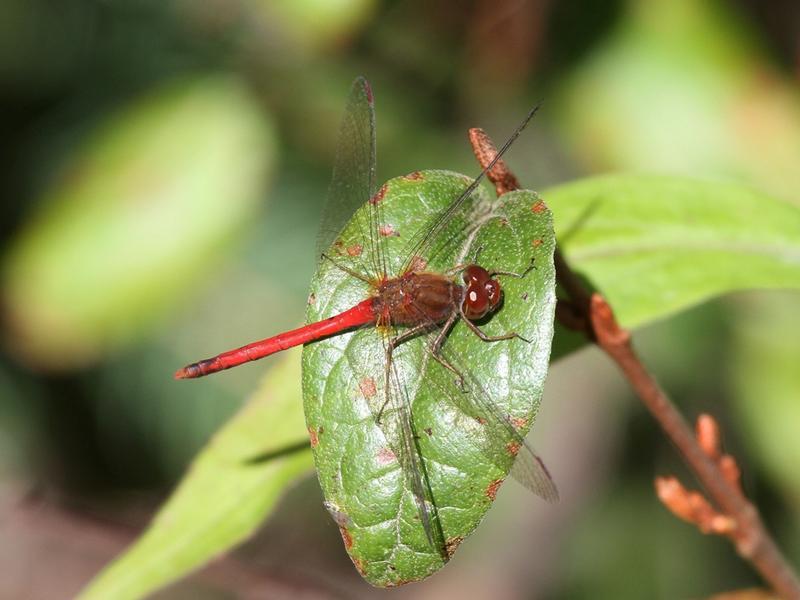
<point>163,166</point>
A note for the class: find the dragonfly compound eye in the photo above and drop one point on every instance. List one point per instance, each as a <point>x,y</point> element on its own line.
<point>474,274</point>
<point>493,293</point>
<point>476,302</point>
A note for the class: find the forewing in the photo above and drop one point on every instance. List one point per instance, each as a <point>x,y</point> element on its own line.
<point>429,241</point>
<point>395,417</point>
<point>353,181</point>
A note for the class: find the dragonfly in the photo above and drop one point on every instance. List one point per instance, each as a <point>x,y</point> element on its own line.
<point>405,300</point>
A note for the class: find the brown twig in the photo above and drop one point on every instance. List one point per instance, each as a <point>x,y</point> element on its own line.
<point>693,507</point>
<point>737,517</point>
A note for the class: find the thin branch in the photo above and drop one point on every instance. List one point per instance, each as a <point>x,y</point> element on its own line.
<point>693,507</point>
<point>737,517</point>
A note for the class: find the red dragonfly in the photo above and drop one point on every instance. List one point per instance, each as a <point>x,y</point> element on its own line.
<point>411,304</point>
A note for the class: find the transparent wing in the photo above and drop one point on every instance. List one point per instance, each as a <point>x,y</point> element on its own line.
<point>389,389</point>
<point>353,181</point>
<point>504,437</point>
<point>428,242</point>
<point>411,460</point>
<point>492,432</point>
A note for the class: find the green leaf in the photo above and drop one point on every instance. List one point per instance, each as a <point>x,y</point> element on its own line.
<point>655,245</point>
<point>358,459</point>
<point>225,494</point>
<point>145,205</point>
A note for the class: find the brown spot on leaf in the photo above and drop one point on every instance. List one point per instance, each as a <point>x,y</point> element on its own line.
<point>386,456</point>
<point>481,420</point>
<point>491,491</point>
<point>359,566</point>
<point>414,176</point>
<point>347,539</point>
<point>539,207</point>
<point>378,196</point>
<point>513,448</point>
<point>312,434</point>
<point>355,250</point>
<point>367,387</point>
<point>312,298</point>
<point>451,544</point>
<point>524,296</point>
<point>388,231</point>
<point>519,422</point>
<point>428,430</point>
<point>537,242</point>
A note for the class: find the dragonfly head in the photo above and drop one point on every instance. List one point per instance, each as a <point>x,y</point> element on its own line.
<point>482,294</point>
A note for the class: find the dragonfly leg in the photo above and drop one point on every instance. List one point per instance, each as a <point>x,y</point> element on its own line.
<point>457,269</point>
<point>393,343</point>
<point>491,338</point>
<point>347,270</point>
<point>436,346</point>
<point>527,270</point>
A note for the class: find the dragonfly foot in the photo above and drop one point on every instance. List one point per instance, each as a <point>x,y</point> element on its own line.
<point>531,266</point>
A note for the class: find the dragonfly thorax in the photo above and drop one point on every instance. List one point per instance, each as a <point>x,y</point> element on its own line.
<point>416,298</point>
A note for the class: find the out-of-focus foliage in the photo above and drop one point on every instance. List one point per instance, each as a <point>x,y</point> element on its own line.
<point>704,88</point>
<point>230,486</point>
<point>729,110</point>
<point>766,380</point>
<point>137,217</point>
<point>313,25</point>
